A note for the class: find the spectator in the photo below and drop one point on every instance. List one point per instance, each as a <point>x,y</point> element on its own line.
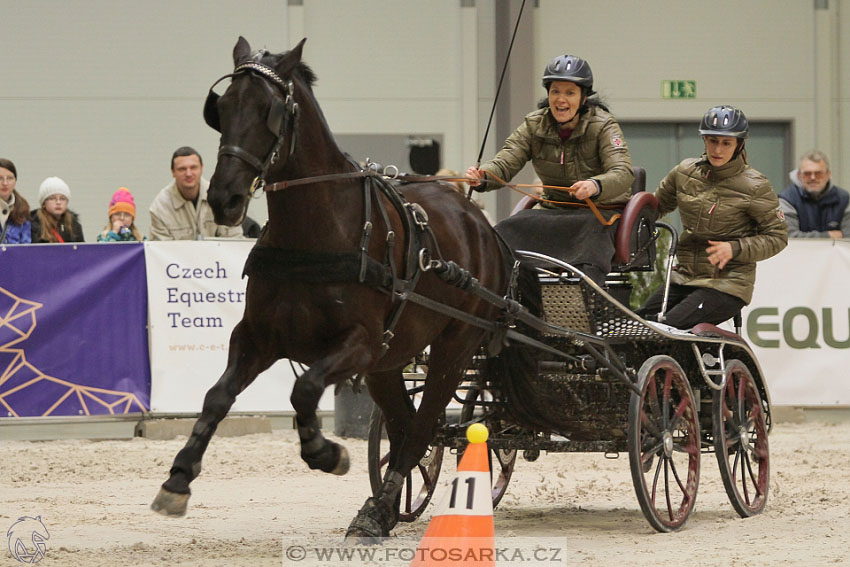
<point>15,225</point>
<point>731,220</point>
<point>251,228</point>
<point>181,210</point>
<point>460,187</point>
<point>573,142</point>
<point>54,222</point>
<point>122,219</point>
<point>814,207</point>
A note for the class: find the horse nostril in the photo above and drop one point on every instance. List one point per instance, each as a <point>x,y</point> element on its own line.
<point>235,202</point>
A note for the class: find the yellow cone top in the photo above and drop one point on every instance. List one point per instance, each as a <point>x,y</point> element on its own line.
<point>477,433</point>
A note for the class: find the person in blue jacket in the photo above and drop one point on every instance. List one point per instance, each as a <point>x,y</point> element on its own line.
<point>14,210</point>
<point>813,206</point>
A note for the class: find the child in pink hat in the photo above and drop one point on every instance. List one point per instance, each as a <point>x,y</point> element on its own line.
<point>122,217</point>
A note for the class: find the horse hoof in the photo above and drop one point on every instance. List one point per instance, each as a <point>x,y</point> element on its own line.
<point>343,463</point>
<point>170,503</point>
<point>363,531</point>
<point>352,537</point>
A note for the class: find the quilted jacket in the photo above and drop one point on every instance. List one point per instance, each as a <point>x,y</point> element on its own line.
<point>733,203</point>
<point>595,150</point>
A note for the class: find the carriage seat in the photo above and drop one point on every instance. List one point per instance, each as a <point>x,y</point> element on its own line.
<point>709,330</point>
<point>634,230</point>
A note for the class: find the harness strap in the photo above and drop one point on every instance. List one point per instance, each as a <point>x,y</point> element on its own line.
<point>241,154</point>
<point>367,231</point>
<point>318,179</point>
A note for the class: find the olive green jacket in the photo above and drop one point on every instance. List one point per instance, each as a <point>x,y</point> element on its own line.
<point>596,150</point>
<point>733,203</point>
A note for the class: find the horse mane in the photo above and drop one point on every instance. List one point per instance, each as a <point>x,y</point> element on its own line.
<point>300,69</point>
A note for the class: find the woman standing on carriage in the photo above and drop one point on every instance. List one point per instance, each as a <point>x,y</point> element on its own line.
<point>731,219</point>
<point>578,151</point>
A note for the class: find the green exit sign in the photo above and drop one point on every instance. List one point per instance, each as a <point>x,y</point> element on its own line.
<point>678,89</point>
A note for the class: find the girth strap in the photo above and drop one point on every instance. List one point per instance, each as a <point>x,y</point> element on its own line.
<point>314,267</point>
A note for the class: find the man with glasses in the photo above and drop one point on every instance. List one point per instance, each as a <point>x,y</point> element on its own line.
<point>814,207</point>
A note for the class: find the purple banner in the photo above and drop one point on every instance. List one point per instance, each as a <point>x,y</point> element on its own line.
<point>73,330</point>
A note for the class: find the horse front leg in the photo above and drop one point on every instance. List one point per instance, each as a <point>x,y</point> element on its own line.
<point>350,358</point>
<point>243,365</point>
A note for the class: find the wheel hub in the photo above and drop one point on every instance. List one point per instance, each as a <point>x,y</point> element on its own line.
<point>744,435</point>
<point>667,442</point>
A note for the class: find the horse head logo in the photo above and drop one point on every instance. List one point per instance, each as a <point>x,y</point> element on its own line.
<point>27,539</point>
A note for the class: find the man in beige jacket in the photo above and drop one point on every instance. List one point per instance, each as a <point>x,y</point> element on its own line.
<point>181,210</point>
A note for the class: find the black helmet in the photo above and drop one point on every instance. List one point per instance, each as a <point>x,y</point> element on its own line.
<point>724,121</point>
<point>569,68</point>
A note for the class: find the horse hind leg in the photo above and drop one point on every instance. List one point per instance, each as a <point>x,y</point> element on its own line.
<point>379,516</point>
<point>380,512</point>
<point>242,367</point>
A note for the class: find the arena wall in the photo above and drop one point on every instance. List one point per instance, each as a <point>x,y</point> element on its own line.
<point>102,92</point>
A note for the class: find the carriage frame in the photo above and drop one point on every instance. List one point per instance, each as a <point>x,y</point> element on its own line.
<point>610,381</point>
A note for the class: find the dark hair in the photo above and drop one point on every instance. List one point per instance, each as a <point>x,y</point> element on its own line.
<point>185,151</point>
<point>7,164</point>
<point>593,100</point>
<point>21,209</point>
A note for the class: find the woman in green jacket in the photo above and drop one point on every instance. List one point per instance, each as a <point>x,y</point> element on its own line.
<point>577,148</point>
<point>731,219</point>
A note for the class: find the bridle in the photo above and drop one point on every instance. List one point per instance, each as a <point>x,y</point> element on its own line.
<point>282,118</point>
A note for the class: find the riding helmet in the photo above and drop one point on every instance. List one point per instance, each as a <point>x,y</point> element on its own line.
<point>569,68</point>
<point>724,121</point>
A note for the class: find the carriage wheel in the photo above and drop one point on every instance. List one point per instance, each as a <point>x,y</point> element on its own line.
<point>420,482</point>
<point>664,444</point>
<point>501,461</point>
<point>740,440</point>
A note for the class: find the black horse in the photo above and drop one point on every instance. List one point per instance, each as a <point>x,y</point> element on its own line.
<point>342,279</point>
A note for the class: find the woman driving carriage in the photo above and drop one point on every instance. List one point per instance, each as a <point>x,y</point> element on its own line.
<point>578,150</point>
<point>731,220</point>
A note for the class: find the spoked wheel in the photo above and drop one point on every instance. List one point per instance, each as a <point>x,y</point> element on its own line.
<point>420,482</point>
<point>664,444</point>
<point>740,440</point>
<point>501,461</point>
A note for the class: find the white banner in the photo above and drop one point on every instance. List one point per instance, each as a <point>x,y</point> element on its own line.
<point>799,323</point>
<point>196,295</point>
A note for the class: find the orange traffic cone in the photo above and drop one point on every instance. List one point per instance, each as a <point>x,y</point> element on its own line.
<point>461,531</point>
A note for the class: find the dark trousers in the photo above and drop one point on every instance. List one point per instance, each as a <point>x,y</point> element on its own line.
<point>688,306</point>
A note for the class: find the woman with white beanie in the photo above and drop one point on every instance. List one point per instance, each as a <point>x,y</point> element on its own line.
<point>53,221</point>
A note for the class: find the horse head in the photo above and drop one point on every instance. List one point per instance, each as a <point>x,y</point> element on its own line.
<point>258,117</point>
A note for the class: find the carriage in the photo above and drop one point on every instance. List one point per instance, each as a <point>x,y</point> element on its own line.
<point>611,383</point>
<point>356,274</point>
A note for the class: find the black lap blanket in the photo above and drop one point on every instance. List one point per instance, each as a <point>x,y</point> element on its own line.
<point>574,236</point>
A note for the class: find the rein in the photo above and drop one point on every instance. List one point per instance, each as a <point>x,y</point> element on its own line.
<point>280,185</point>
<point>587,202</point>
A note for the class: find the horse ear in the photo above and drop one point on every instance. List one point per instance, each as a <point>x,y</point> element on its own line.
<point>296,51</point>
<point>241,51</point>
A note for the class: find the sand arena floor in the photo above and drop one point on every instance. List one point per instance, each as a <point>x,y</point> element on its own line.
<point>93,497</point>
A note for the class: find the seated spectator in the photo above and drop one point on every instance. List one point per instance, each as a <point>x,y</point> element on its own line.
<point>14,209</point>
<point>251,228</point>
<point>813,206</point>
<point>54,222</point>
<point>181,211</point>
<point>122,217</point>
